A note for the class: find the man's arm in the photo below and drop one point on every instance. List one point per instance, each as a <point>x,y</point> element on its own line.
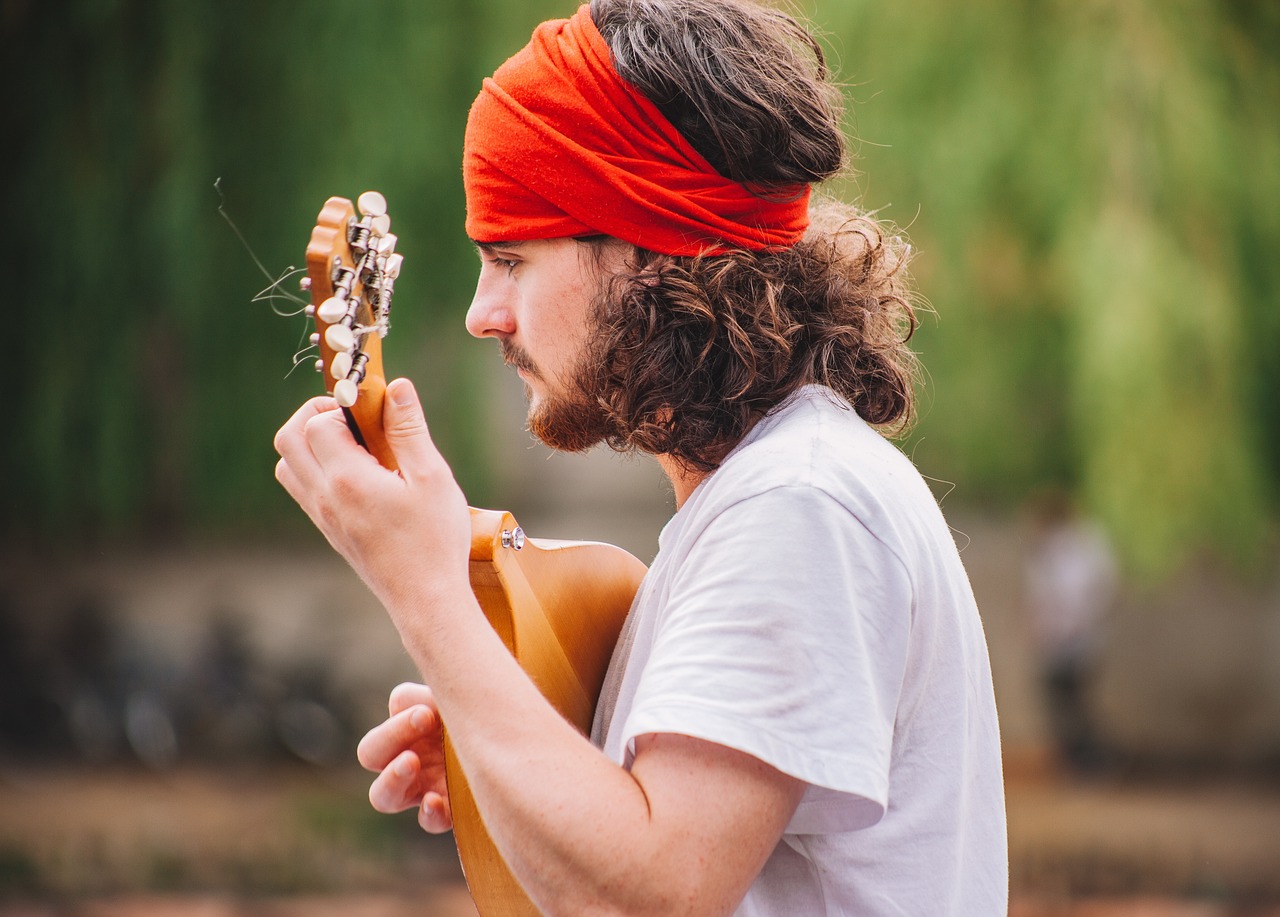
<point>405,752</point>
<point>685,830</point>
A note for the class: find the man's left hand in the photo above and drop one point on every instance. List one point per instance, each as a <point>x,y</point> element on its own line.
<point>407,533</point>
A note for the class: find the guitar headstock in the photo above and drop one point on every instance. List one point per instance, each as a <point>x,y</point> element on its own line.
<point>352,267</point>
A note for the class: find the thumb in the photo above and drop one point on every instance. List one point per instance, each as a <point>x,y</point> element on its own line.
<point>406,426</point>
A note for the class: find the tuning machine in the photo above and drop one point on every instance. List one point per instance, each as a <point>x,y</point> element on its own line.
<point>372,204</point>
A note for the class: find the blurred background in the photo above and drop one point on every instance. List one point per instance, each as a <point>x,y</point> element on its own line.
<point>1093,193</point>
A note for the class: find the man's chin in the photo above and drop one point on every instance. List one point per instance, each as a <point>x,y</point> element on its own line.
<point>565,427</point>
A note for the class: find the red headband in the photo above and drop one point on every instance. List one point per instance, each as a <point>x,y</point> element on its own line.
<point>558,145</point>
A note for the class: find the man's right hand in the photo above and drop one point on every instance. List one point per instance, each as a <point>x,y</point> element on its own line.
<point>406,751</point>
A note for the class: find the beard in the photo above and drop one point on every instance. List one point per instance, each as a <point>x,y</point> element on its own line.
<point>569,418</point>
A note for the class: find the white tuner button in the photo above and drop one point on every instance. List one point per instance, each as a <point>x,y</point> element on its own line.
<point>393,265</point>
<point>340,368</point>
<point>332,309</point>
<point>372,204</point>
<point>339,337</point>
<point>380,225</point>
<point>345,393</point>
<point>387,244</point>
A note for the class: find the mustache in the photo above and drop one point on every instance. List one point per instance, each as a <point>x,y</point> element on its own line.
<point>514,355</point>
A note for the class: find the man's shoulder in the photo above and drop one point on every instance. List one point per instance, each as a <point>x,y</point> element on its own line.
<point>814,454</point>
<point>813,440</point>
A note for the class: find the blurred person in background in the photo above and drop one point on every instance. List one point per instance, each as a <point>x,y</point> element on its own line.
<point>1071,582</point>
<point>799,716</point>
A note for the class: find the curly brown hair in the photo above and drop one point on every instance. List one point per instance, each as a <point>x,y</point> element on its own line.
<point>691,352</point>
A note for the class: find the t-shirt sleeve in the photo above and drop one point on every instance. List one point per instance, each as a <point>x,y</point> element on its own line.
<point>784,635</point>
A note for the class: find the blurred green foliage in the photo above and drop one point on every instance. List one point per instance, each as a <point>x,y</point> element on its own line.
<point>151,384</point>
<point>1092,189</point>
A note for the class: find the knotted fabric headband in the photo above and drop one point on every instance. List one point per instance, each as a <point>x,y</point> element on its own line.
<point>557,144</point>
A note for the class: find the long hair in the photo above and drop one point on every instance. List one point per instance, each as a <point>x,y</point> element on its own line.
<point>693,351</point>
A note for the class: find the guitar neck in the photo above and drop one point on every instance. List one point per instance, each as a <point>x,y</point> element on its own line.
<point>364,419</point>
<point>351,271</point>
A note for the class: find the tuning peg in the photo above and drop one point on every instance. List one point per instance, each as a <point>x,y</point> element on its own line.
<point>332,310</point>
<point>380,225</point>
<point>387,244</point>
<point>341,365</point>
<point>372,204</point>
<point>319,366</point>
<point>393,266</point>
<point>345,392</point>
<point>339,337</point>
<point>304,283</point>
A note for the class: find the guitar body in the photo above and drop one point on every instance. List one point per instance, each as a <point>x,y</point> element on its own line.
<point>558,606</point>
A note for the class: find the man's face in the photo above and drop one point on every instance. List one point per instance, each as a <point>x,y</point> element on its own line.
<point>538,299</point>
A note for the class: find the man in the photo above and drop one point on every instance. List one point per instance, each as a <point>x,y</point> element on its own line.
<point>799,716</point>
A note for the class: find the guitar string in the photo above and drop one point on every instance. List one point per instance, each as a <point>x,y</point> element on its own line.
<point>274,291</point>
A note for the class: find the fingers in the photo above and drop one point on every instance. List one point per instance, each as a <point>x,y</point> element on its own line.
<point>389,749</point>
<point>413,718</point>
<point>434,814</point>
<point>394,748</point>
<point>384,742</point>
<point>317,437</point>
<point>402,786</point>
<point>398,786</point>
<point>334,446</point>
<point>404,783</point>
<point>407,694</point>
<point>407,432</point>
<point>298,470</point>
<point>318,429</point>
<point>290,436</point>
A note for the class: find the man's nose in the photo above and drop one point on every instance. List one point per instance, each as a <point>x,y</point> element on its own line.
<point>490,314</point>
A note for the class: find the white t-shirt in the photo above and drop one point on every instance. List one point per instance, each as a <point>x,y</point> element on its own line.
<point>808,606</point>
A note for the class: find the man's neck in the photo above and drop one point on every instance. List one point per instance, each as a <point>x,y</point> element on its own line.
<point>683,480</point>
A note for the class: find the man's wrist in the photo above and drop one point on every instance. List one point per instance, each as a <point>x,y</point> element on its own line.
<point>432,614</point>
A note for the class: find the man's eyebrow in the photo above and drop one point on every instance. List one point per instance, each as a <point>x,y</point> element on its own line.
<point>489,247</point>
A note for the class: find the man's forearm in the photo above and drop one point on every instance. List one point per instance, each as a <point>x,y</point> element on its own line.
<point>571,824</point>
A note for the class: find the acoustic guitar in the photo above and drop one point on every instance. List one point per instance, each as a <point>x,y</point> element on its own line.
<point>557,605</point>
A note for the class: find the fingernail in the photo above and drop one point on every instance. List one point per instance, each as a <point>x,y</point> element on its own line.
<point>402,392</point>
<point>401,767</point>
<point>420,718</point>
